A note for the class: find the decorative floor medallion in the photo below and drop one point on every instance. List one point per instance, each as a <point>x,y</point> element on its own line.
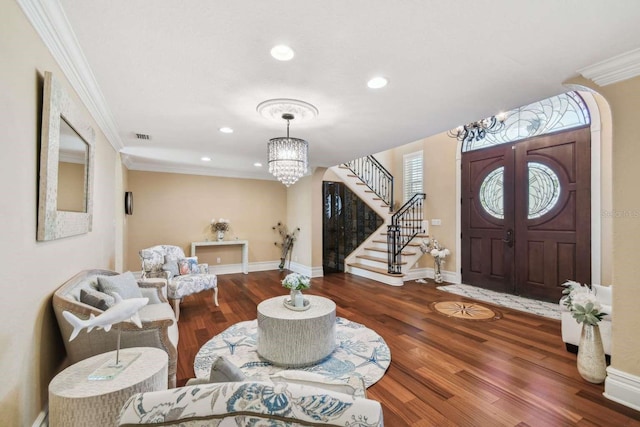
<point>465,310</point>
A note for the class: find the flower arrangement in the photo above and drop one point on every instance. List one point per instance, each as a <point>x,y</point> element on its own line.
<point>581,302</point>
<point>296,282</point>
<point>287,242</point>
<point>220,224</point>
<point>439,253</point>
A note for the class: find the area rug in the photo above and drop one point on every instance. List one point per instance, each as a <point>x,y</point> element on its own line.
<point>359,350</point>
<point>465,310</point>
<point>541,308</point>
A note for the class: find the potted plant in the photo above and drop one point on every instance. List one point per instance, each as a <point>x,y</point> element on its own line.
<point>438,252</point>
<point>296,283</point>
<point>219,227</point>
<point>585,308</point>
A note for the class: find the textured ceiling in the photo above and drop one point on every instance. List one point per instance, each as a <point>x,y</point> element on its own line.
<point>180,70</point>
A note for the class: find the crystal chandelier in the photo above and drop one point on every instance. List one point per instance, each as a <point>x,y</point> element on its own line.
<point>475,131</point>
<point>288,157</point>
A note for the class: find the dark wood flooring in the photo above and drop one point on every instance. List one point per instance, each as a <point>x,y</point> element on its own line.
<point>513,371</point>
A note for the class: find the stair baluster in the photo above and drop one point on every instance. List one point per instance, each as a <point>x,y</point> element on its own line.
<point>405,225</point>
<point>375,176</point>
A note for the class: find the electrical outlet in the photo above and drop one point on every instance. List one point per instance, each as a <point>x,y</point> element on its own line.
<point>436,222</point>
<point>218,260</point>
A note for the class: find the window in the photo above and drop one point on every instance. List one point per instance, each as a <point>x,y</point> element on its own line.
<point>412,167</point>
<point>561,112</point>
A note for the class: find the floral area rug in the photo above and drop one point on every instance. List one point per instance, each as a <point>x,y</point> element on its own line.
<point>541,308</point>
<point>359,350</point>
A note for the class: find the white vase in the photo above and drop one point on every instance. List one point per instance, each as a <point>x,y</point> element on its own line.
<point>294,296</point>
<point>220,235</point>
<point>438,270</point>
<point>591,362</point>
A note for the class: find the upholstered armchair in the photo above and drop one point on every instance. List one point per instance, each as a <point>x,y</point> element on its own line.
<point>251,403</point>
<point>159,327</point>
<point>183,274</point>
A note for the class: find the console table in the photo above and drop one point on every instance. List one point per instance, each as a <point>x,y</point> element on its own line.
<point>243,243</point>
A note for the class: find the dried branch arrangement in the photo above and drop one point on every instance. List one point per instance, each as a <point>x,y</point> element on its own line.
<point>286,245</point>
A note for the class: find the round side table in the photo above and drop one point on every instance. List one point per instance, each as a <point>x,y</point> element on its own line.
<point>296,338</point>
<point>74,400</point>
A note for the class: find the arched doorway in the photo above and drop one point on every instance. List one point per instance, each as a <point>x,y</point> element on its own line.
<point>526,201</point>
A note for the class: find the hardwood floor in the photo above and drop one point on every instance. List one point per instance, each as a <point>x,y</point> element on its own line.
<point>513,371</point>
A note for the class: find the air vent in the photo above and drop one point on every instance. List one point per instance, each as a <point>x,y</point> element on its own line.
<point>143,136</point>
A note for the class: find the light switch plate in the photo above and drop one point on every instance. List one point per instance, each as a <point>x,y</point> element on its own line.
<point>436,222</point>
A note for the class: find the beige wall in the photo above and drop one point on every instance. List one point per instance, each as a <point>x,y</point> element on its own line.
<point>624,218</point>
<point>177,209</point>
<point>439,160</point>
<point>31,350</point>
<point>299,197</point>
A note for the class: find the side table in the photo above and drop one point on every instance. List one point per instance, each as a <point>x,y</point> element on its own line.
<point>75,400</point>
<point>296,338</point>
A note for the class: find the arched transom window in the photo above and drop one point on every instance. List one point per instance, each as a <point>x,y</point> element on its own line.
<point>561,112</point>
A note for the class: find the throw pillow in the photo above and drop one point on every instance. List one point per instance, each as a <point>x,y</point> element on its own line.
<point>124,284</point>
<point>353,386</point>
<point>223,371</point>
<point>96,299</point>
<point>188,265</point>
<point>172,267</point>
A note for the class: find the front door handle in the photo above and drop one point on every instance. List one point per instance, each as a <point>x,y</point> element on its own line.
<point>509,239</point>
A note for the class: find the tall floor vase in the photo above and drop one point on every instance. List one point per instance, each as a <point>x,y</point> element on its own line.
<point>591,362</point>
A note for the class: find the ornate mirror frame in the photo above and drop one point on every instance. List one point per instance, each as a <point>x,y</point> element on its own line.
<point>58,106</point>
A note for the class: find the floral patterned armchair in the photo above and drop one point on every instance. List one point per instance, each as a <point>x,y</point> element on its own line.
<point>250,403</point>
<point>184,275</point>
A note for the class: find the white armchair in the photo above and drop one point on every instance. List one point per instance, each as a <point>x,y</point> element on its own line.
<point>184,275</point>
<point>571,329</point>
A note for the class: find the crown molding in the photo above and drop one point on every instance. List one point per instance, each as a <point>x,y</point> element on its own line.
<point>151,166</point>
<point>613,70</point>
<point>51,24</point>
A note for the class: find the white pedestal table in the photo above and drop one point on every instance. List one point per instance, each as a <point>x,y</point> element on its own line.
<point>74,400</point>
<point>296,338</point>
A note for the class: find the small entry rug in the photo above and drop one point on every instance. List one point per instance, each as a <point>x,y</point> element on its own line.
<point>359,350</point>
<point>541,308</point>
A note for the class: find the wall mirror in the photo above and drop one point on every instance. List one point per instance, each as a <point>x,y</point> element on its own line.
<point>66,166</point>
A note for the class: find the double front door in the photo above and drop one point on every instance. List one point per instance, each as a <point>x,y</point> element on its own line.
<point>526,215</point>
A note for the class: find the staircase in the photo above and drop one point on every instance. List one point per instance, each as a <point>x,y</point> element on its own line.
<point>373,259</point>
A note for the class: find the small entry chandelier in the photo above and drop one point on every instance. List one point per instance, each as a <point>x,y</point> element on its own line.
<point>288,157</point>
<point>475,131</point>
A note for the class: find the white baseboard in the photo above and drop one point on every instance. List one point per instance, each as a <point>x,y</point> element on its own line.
<point>263,266</point>
<point>317,272</point>
<point>421,273</point>
<point>623,388</point>
<point>42,420</point>
<point>305,270</point>
<point>237,268</point>
<point>418,273</point>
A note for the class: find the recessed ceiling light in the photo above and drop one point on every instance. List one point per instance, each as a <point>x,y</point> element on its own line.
<point>226,130</point>
<point>205,159</point>
<point>377,82</point>
<point>282,52</point>
<point>257,164</point>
